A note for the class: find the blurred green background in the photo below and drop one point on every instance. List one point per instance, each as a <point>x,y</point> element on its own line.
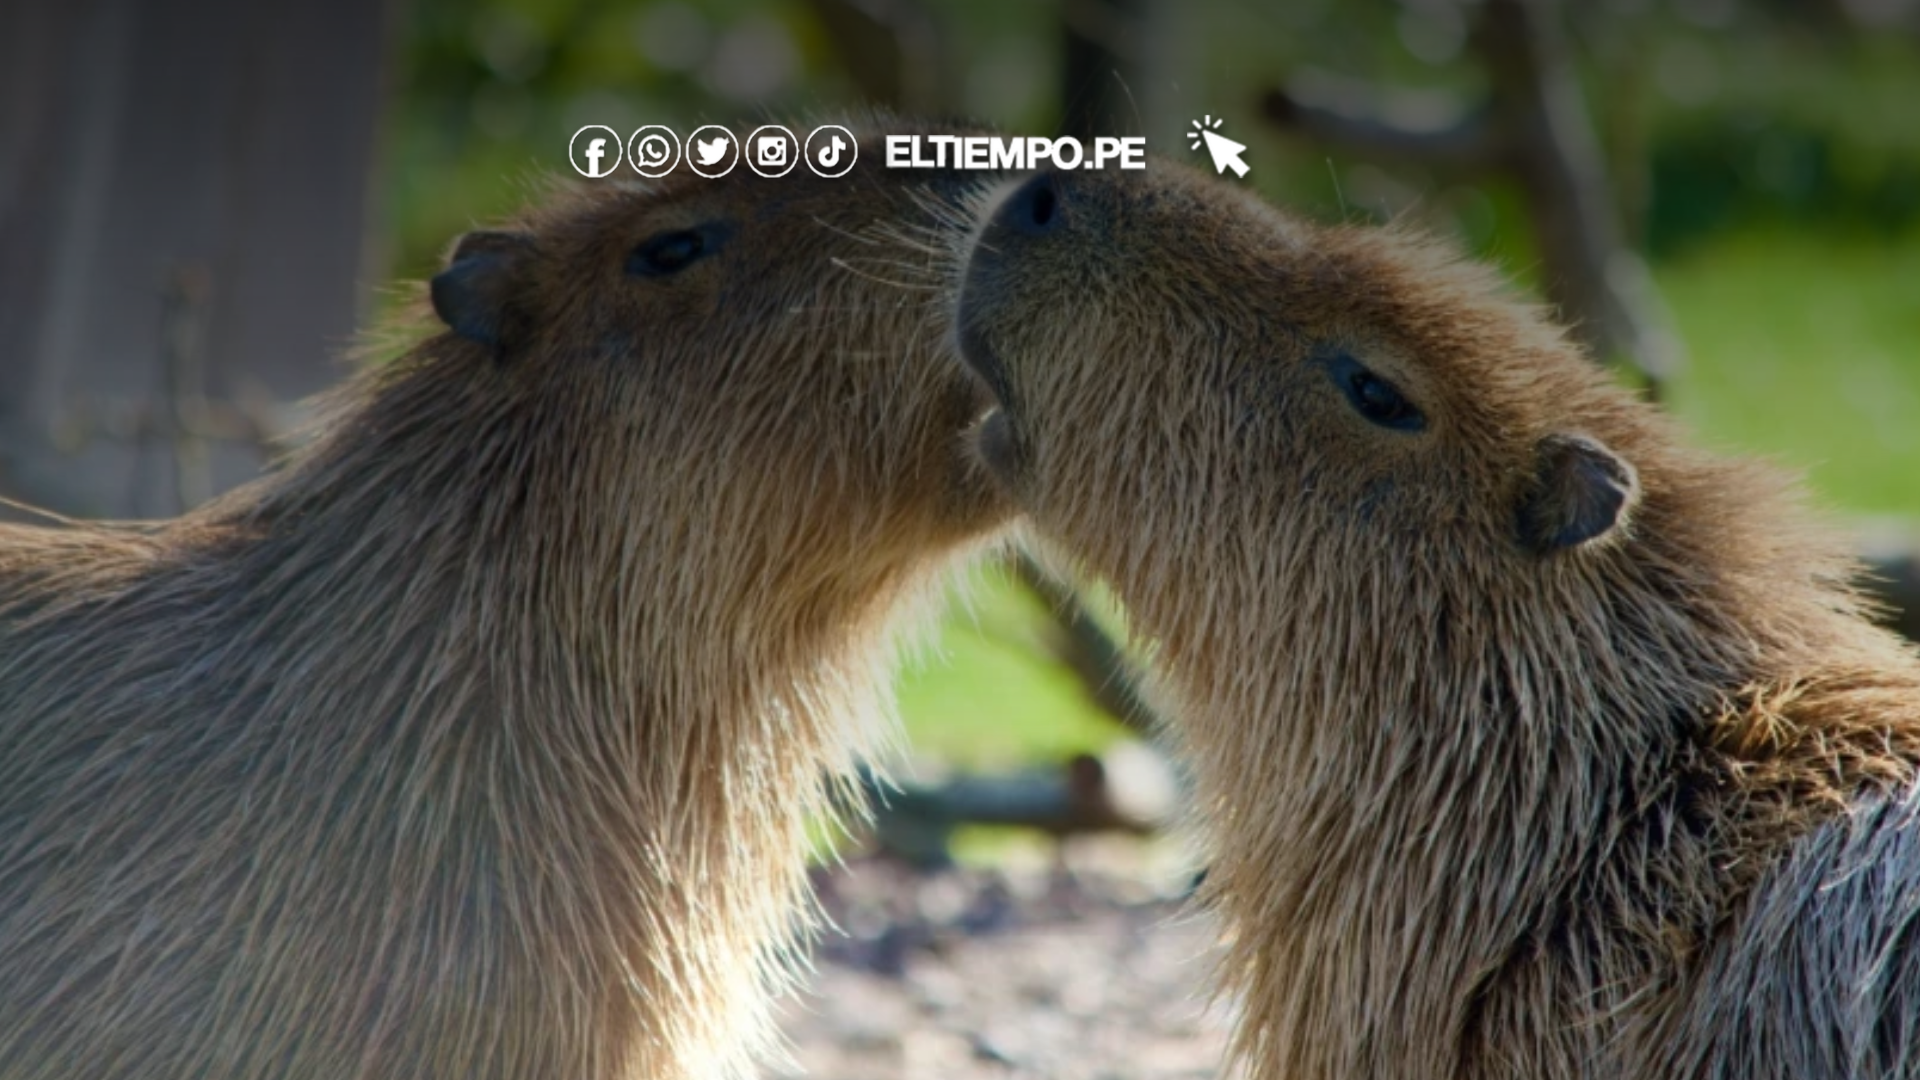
<point>1764,157</point>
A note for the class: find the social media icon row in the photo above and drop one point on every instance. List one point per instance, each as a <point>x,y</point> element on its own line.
<point>713,151</point>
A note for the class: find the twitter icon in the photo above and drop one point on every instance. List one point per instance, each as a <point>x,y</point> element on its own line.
<point>712,151</point>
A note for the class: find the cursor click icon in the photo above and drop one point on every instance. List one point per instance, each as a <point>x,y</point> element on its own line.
<point>1224,151</point>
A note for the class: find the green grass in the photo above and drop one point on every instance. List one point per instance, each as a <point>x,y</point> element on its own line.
<point>987,695</point>
<point>1806,348</point>
<point>1803,347</point>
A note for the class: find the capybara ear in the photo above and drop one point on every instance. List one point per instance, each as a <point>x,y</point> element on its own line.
<point>1581,491</point>
<point>480,293</point>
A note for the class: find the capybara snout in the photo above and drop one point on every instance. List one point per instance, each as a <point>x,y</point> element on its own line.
<point>1367,376</point>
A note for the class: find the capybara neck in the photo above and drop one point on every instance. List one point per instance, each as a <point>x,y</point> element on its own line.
<point>659,677</point>
<point>524,749</point>
<point>557,533</point>
<point>1526,738</point>
<point>1463,825</point>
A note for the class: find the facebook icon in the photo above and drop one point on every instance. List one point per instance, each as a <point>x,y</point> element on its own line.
<point>589,152</point>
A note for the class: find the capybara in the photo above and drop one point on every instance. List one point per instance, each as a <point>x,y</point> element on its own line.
<point>482,738</point>
<point>1529,741</point>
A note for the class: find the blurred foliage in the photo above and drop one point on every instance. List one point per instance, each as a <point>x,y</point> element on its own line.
<point>1743,114</point>
<point>491,91</point>
<point>1766,152</point>
<point>1821,133</point>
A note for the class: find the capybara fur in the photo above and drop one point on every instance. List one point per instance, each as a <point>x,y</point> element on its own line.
<point>482,738</point>
<point>1529,741</point>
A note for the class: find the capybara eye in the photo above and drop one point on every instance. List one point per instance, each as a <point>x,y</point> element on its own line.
<point>1374,397</point>
<point>669,252</point>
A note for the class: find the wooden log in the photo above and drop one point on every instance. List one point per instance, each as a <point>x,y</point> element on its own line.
<point>1132,788</point>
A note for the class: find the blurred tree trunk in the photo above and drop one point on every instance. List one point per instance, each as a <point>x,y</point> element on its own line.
<point>1533,127</point>
<point>1102,67</point>
<point>1101,664</point>
<point>895,52</point>
<point>1552,146</point>
<point>185,189</point>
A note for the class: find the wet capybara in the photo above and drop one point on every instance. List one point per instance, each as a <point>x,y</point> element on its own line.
<point>481,739</point>
<point>1530,742</point>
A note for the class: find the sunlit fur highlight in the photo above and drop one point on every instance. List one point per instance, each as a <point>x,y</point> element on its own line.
<point>1641,808</point>
<point>479,740</point>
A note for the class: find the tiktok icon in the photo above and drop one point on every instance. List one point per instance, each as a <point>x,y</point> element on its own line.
<point>831,151</point>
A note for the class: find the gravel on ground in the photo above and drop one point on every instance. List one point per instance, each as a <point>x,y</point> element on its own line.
<point>1092,966</point>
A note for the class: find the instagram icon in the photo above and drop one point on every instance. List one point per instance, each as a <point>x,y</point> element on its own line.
<point>772,151</point>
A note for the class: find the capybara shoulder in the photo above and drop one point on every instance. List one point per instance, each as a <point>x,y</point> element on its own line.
<point>1531,741</point>
<point>481,738</point>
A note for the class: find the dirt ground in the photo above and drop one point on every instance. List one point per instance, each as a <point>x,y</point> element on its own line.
<point>1091,967</point>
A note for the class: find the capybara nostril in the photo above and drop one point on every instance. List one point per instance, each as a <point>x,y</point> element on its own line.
<point>1034,209</point>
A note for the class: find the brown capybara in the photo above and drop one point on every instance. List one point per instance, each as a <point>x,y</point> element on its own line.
<point>1529,741</point>
<point>482,738</point>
